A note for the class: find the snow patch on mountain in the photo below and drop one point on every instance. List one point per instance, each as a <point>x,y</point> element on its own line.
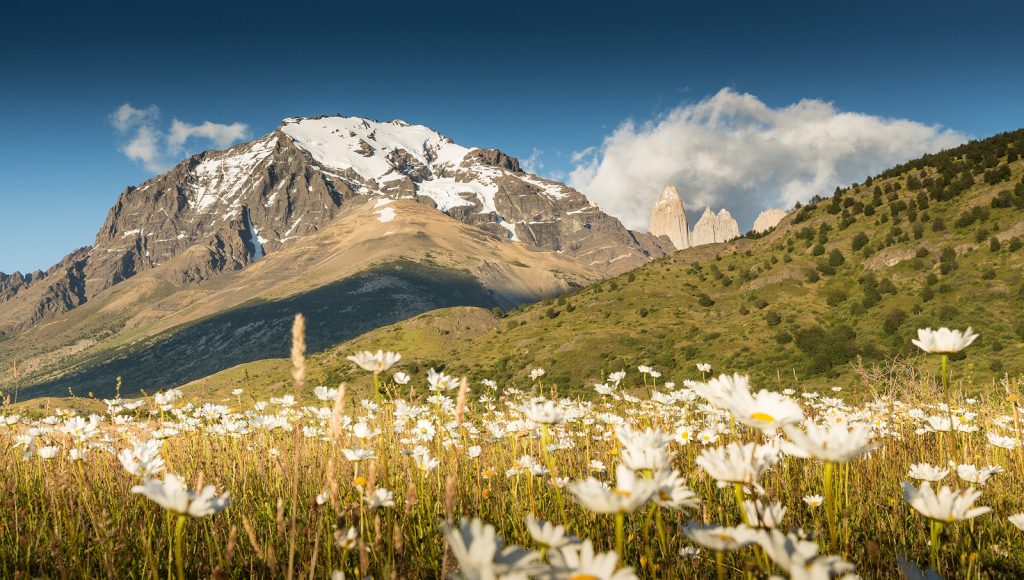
<point>225,177</point>
<point>446,192</point>
<point>254,236</point>
<point>364,145</point>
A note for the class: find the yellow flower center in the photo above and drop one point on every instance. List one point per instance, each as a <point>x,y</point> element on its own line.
<point>583,577</point>
<point>622,492</point>
<point>359,481</point>
<point>763,417</point>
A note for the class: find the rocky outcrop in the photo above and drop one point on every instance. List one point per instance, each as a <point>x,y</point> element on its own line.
<point>668,218</point>
<point>225,209</point>
<point>10,284</point>
<point>714,228</point>
<point>768,219</point>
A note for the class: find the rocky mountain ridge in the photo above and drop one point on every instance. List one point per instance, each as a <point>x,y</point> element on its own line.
<point>668,219</point>
<point>768,219</point>
<point>226,209</point>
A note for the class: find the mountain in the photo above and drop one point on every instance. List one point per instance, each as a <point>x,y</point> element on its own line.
<point>838,288</point>
<point>204,262</point>
<point>668,218</point>
<point>767,220</point>
<point>253,199</point>
<point>714,228</point>
<point>379,261</point>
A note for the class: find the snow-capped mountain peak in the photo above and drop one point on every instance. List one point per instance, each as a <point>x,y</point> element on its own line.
<point>374,149</point>
<point>223,210</point>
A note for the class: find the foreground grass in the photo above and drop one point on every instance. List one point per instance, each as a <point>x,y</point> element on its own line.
<point>295,495</point>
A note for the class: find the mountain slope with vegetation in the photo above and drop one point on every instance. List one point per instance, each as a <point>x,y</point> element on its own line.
<point>841,284</point>
<point>156,334</point>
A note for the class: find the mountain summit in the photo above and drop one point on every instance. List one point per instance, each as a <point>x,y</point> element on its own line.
<point>226,209</point>
<point>208,261</point>
<point>668,218</point>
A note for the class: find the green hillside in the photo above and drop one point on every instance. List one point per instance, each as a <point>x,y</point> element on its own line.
<point>843,281</point>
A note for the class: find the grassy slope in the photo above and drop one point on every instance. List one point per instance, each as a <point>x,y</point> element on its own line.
<point>136,327</point>
<point>767,318</point>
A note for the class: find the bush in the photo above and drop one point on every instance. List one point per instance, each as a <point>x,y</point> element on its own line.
<point>783,337</point>
<point>811,276</point>
<point>893,320</point>
<point>835,258</point>
<point>994,176</point>
<point>827,348</point>
<point>705,300</point>
<point>835,297</point>
<point>994,245</point>
<point>859,241</point>
<point>772,318</point>
<point>947,260</point>
<point>1003,199</point>
<point>871,298</point>
<point>818,250</point>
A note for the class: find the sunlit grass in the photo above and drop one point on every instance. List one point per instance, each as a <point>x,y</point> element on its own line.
<point>299,504</point>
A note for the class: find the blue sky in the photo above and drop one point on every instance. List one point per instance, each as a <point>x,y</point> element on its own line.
<point>527,77</point>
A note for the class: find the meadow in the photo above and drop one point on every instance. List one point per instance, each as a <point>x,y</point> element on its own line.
<point>425,476</point>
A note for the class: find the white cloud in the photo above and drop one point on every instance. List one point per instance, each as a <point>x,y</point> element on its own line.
<point>533,164</point>
<point>145,147</point>
<point>127,117</point>
<point>578,156</point>
<point>158,150</point>
<point>732,150</point>
<point>221,135</point>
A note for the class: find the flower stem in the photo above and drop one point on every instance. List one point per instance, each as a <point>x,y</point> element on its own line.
<point>620,525</point>
<point>949,406</point>
<point>737,489</point>
<point>179,529</point>
<point>830,501</point>
<point>551,470</point>
<point>936,531</point>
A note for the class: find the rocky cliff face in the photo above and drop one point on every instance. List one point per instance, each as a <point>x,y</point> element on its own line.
<point>248,201</point>
<point>39,295</point>
<point>668,218</point>
<point>10,284</point>
<point>768,219</point>
<point>714,228</point>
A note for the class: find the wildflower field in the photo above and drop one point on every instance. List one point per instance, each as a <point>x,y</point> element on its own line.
<point>659,477</point>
